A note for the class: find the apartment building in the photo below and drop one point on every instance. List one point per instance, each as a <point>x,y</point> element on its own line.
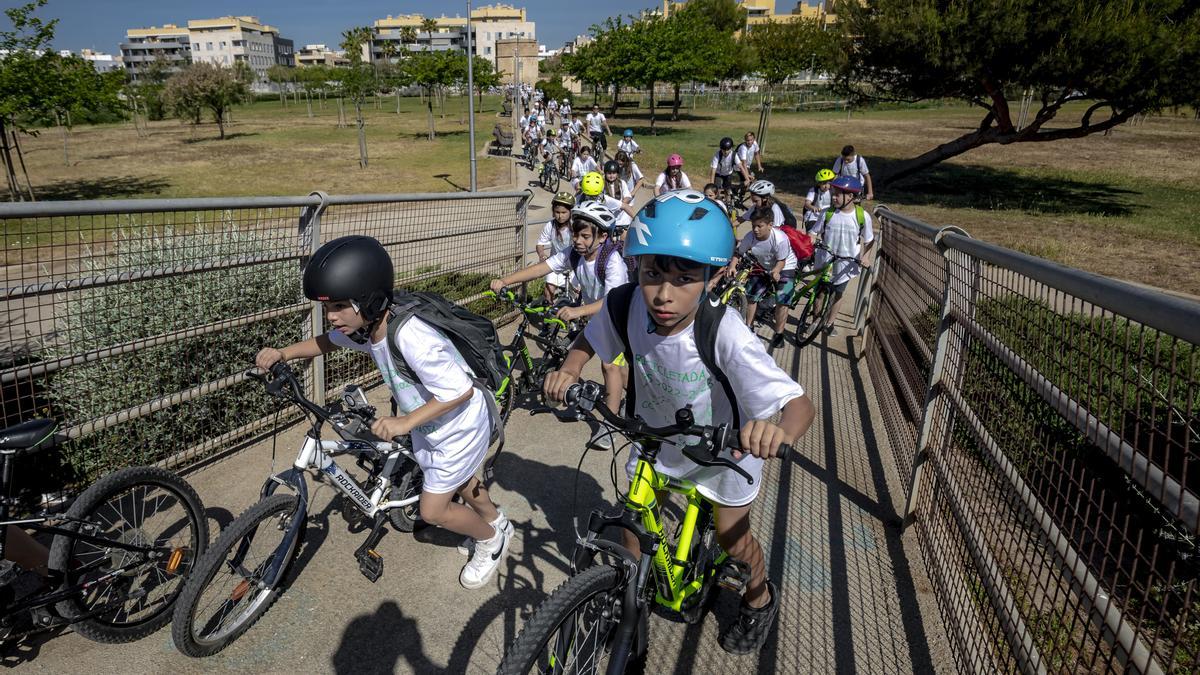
<point>489,24</point>
<point>170,44</point>
<point>228,40</point>
<point>320,55</point>
<point>763,11</point>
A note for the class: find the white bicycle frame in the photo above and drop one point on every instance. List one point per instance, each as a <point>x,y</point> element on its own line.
<point>318,455</point>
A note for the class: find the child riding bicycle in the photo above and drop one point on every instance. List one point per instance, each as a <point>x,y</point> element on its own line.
<point>681,239</point>
<point>845,230</point>
<point>447,416</point>
<point>770,246</point>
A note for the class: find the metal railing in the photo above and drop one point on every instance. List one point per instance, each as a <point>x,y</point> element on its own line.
<point>1046,422</point>
<point>132,321</point>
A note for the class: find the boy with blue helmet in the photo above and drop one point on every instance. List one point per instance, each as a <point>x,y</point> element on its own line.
<point>845,229</point>
<point>627,145</point>
<point>680,347</point>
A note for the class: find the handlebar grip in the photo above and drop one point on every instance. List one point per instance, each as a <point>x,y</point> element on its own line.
<point>783,452</point>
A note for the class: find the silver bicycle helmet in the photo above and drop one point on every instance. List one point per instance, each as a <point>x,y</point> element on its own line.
<point>597,213</point>
<point>762,188</point>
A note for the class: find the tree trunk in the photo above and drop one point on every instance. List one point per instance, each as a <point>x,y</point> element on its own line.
<point>66,154</point>
<point>14,192</point>
<point>282,100</point>
<point>362,136</point>
<point>21,156</point>
<point>341,123</point>
<point>397,100</point>
<point>220,115</point>
<point>308,102</point>
<point>675,105</point>
<point>616,96</point>
<point>429,107</point>
<point>652,130</point>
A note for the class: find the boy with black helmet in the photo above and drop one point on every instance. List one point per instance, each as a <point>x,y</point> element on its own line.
<point>447,416</point>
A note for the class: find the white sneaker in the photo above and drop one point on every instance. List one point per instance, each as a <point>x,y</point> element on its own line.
<point>486,559</point>
<point>467,547</point>
<point>602,440</point>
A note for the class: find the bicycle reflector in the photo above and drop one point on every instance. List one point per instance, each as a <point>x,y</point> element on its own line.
<point>174,560</point>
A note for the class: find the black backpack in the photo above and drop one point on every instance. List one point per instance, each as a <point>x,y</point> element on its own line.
<point>788,218</point>
<point>707,322</point>
<point>472,335</point>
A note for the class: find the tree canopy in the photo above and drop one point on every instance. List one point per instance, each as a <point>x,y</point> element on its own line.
<point>205,87</point>
<point>780,50</point>
<point>1121,58</point>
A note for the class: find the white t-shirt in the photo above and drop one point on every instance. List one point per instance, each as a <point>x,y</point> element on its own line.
<point>449,448</point>
<point>590,287</point>
<point>668,375</point>
<point>635,175</point>
<point>577,127</point>
<point>596,122</point>
<point>581,166</point>
<point>776,213</point>
<point>819,199</point>
<point>627,145</point>
<point>724,165</point>
<point>769,251</point>
<point>611,203</point>
<point>856,167</point>
<point>684,182</point>
<point>745,154</point>
<point>558,240</point>
<point>841,236</point>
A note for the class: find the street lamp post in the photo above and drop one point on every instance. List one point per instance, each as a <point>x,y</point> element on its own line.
<point>471,99</point>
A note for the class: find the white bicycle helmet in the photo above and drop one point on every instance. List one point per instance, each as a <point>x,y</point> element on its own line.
<point>597,213</point>
<point>762,188</point>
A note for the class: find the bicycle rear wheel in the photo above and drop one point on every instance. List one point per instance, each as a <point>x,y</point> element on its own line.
<point>238,580</point>
<point>573,630</point>
<point>143,506</point>
<point>812,317</point>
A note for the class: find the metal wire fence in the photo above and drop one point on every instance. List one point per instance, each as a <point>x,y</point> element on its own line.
<point>132,322</point>
<point>1046,421</point>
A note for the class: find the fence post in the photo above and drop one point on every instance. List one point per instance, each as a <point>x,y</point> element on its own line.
<point>310,235</point>
<point>866,282</point>
<point>937,372</point>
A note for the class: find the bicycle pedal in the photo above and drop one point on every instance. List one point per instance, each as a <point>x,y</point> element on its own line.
<point>733,575</point>
<point>370,564</point>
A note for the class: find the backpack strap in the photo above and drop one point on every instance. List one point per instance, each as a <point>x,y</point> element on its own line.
<point>618,302</point>
<point>401,311</point>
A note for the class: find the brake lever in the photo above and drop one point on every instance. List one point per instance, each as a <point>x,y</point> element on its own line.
<point>699,454</point>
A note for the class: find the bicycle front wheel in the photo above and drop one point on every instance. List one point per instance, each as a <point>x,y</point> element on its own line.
<point>812,317</point>
<point>131,595</point>
<point>573,630</point>
<point>238,579</point>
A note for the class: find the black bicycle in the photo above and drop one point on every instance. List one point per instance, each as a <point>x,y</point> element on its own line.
<point>120,555</point>
<point>540,325</point>
<point>550,175</point>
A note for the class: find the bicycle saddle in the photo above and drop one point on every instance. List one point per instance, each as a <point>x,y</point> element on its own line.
<point>28,436</point>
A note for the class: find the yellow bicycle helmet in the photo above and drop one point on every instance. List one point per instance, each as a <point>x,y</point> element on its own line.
<point>825,175</point>
<point>592,184</point>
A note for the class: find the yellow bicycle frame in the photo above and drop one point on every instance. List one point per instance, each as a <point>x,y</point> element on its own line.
<point>672,590</point>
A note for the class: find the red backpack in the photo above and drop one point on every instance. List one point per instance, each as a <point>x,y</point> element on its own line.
<point>801,243</point>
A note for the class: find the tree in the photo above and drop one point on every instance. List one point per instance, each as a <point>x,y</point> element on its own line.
<point>1122,58</point>
<point>357,80</point>
<point>486,76</point>
<point>697,44</point>
<point>205,87</point>
<point>280,75</point>
<point>24,78</point>
<point>75,86</point>
<point>433,70</point>
<point>780,50</point>
<point>428,26</point>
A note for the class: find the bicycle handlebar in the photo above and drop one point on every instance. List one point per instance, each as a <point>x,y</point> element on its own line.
<point>543,313</point>
<point>581,402</point>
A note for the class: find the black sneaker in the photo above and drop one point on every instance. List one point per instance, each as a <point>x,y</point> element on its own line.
<point>749,632</point>
<point>777,341</point>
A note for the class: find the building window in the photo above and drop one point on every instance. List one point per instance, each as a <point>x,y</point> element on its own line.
<point>208,46</point>
<point>487,50</point>
<point>222,45</point>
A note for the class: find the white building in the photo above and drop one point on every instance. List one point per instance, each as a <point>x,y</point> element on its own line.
<point>102,62</point>
<point>489,23</point>
<point>231,39</point>
<point>144,46</point>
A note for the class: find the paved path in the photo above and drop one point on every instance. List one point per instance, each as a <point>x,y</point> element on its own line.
<point>853,597</point>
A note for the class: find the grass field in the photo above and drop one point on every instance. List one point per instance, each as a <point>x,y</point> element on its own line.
<point>1118,205</point>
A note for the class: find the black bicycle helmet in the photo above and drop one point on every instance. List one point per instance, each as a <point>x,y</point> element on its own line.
<point>354,268</point>
<point>727,143</point>
<point>611,166</point>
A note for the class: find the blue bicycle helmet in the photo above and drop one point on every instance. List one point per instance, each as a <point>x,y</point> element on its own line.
<point>628,133</point>
<point>684,224</point>
<point>847,184</point>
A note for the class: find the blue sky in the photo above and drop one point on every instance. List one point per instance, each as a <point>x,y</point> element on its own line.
<point>101,24</point>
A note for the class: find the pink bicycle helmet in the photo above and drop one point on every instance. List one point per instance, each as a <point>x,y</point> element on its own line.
<point>674,160</point>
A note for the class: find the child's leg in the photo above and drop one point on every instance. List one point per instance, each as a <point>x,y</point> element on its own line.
<point>26,551</point>
<point>476,496</point>
<point>837,300</point>
<point>733,534</point>
<point>438,509</point>
<point>751,308</point>
<point>614,384</point>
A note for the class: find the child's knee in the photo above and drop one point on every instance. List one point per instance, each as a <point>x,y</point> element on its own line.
<point>432,513</point>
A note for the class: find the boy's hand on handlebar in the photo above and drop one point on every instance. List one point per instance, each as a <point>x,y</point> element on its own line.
<point>268,357</point>
<point>761,439</point>
<point>390,427</point>
<point>496,286</point>
<point>569,313</point>
<point>557,383</point>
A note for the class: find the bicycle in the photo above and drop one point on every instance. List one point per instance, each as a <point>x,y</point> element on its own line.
<point>120,553</point>
<point>554,338</point>
<point>818,294</point>
<point>239,584</point>
<point>731,290</point>
<point>598,147</point>
<point>550,175</point>
<point>602,611</point>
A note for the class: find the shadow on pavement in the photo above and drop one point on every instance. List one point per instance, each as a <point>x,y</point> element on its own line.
<point>375,643</point>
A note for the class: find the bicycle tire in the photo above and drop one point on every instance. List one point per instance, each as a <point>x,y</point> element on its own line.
<point>214,561</point>
<point>66,554</point>
<point>405,518</point>
<point>602,582</point>
<point>812,317</point>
